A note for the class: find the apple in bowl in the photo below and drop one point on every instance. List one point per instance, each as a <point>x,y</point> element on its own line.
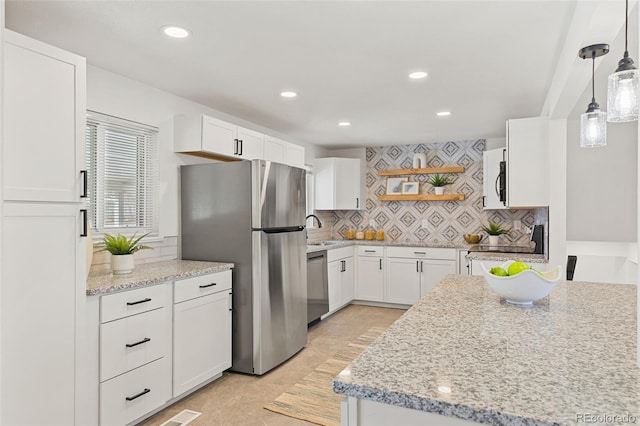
<point>520,284</point>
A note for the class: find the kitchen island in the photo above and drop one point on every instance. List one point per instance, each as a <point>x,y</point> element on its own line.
<point>462,355</point>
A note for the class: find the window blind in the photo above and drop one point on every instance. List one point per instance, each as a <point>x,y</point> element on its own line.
<point>122,164</point>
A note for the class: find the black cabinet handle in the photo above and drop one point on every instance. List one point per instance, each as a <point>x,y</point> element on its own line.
<point>419,252</point>
<point>421,266</point>
<point>357,203</point>
<point>230,301</point>
<point>241,143</point>
<point>85,183</point>
<point>235,146</point>
<point>138,302</point>
<point>131,345</point>
<point>84,222</point>
<point>417,267</point>
<point>144,392</point>
<point>369,251</point>
<point>483,204</point>
<point>381,264</point>
<point>208,285</point>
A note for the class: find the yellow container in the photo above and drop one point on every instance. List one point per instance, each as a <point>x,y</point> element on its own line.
<point>369,234</point>
<point>380,235</point>
<point>350,234</point>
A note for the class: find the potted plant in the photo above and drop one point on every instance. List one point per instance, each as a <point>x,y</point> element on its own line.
<point>494,230</point>
<point>122,250</point>
<point>438,182</point>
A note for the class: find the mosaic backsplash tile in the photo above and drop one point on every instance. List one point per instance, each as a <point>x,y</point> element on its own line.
<point>447,221</point>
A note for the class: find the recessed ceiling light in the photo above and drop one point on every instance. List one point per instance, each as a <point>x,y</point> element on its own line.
<point>444,113</point>
<point>344,123</point>
<point>176,32</point>
<point>418,75</point>
<point>288,94</point>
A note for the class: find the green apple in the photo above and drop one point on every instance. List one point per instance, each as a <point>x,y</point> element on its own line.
<point>498,271</point>
<point>516,267</point>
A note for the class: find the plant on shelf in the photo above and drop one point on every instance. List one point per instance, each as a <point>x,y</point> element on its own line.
<point>494,230</point>
<point>438,182</point>
<point>122,250</point>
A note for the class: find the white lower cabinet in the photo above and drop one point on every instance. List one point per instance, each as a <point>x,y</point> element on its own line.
<point>135,336</point>
<point>413,271</point>
<point>340,277</point>
<point>370,274</point>
<point>201,330</point>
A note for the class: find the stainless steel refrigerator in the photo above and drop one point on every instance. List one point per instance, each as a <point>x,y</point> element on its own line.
<point>252,213</point>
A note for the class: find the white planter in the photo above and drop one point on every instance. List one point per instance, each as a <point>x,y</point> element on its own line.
<point>493,240</point>
<point>122,264</point>
<point>439,190</point>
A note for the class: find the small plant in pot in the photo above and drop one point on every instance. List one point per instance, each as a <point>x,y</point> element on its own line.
<point>122,250</point>
<point>438,182</point>
<point>494,230</point>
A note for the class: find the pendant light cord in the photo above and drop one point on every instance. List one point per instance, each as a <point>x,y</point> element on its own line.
<point>593,72</point>
<point>626,27</point>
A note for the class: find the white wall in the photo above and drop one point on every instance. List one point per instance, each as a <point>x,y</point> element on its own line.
<point>495,143</point>
<point>116,95</point>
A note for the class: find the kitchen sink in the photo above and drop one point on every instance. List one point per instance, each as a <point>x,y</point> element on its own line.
<point>325,243</point>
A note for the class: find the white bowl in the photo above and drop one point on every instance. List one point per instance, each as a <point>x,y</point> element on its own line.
<point>525,287</point>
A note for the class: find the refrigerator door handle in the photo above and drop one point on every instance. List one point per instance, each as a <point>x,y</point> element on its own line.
<point>280,230</point>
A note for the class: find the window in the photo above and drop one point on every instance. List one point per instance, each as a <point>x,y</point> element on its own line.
<point>122,166</point>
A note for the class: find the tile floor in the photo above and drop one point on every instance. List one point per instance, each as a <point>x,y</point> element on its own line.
<point>237,399</point>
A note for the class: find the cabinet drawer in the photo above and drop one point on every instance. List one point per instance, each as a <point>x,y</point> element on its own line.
<point>191,288</point>
<point>133,341</point>
<point>376,251</point>
<point>127,303</point>
<point>422,252</point>
<point>339,253</point>
<point>134,394</point>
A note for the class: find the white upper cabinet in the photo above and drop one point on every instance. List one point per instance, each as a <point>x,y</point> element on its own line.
<point>491,171</point>
<point>44,115</point>
<point>274,149</point>
<point>210,137</point>
<point>527,162</point>
<point>338,184</point>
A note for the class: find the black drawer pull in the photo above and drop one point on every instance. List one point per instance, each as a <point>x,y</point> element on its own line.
<point>208,285</point>
<point>139,302</point>
<point>144,392</point>
<point>419,252</point>
<point>369,251</point>
<point>131,345</point>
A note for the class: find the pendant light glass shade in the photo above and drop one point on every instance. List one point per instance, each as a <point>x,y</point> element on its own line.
<point>593,123</point>
<point>593,129</point>
<point>623,96</point>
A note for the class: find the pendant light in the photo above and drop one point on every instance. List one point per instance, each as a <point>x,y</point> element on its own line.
<point>623,93</point>
<point>593,123</point>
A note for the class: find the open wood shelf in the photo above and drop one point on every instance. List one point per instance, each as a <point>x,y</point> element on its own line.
<point>422,197</point>
<point>430,170</point>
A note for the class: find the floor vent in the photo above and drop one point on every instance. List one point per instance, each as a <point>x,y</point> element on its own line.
<point>183,418</point>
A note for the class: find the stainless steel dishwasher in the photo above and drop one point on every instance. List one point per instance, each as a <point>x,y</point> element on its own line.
<point>317,288</point>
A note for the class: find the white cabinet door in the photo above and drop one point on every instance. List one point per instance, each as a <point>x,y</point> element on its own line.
<point>44,119</point>
<point>491,169</point>
<point>433,271</point>
<point>334,270</point>
<point>346,281</point>
<point>202,340</point>
<point>294,155</point>
<point>370,279</point>
<point>250,144</point>
<point>403,281</point>
<point>527,162</point>
<point>218,137</point>
<point>338,184</point>
<point>476,269</point>
<point>274,149</point>
<point>40,337</point>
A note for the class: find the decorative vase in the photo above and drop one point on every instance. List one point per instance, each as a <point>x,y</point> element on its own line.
<point>493,240</point>
<point>420,160</point>
<point>439,190</point>
<point>122,264</point>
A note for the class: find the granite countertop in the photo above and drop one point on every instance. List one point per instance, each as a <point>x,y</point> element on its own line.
<point>333,244</point>
<point>503,257</point>
<point>146,274</point>
<point>571,353</point>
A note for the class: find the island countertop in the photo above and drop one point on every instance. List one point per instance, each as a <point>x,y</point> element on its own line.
<point>146,274</point>
<point>461,351</point>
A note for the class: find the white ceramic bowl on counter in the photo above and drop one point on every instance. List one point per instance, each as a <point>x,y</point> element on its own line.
<point>525,287</point>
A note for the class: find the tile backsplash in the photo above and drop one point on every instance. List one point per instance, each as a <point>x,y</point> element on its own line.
<point>447,221</point>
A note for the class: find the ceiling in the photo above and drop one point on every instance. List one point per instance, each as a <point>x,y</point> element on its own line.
<point>347,60</point>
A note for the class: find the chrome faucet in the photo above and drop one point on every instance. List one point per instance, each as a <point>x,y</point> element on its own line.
<point>317,219</point>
